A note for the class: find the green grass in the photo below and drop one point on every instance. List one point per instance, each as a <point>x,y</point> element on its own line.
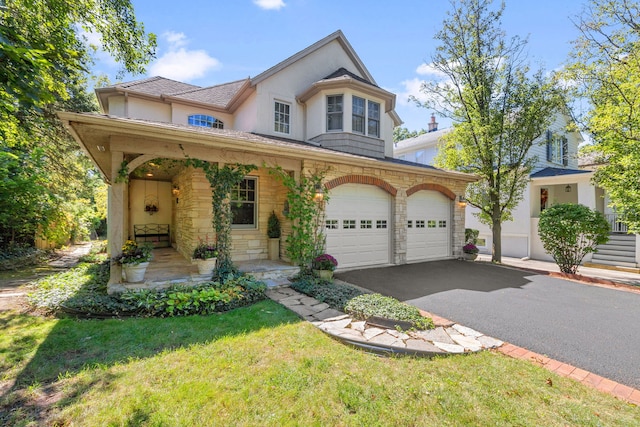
<point>260,365</point>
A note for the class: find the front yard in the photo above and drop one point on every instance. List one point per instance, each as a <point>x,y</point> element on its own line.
<point>261,365</point>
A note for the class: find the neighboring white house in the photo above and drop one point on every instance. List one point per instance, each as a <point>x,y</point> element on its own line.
<point>556,178</point>
<point>318,110</point>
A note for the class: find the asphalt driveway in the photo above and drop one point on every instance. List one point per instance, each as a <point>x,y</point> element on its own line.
<point>594,328</point>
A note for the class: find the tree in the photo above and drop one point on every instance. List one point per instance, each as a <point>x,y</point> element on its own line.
<point>605,64</point>
<point>400,133</point>
<point>44,59</point>
<point>569,232</point>
<point>497,105</point>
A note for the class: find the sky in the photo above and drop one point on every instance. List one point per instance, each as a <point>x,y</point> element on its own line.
<point>208,42</point>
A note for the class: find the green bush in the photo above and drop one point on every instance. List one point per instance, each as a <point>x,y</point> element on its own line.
<point>569,232</point>
<point>368,305</point>
<point>335,295</point>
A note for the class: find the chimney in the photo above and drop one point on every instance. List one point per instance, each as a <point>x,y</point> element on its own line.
<point>433,125</point>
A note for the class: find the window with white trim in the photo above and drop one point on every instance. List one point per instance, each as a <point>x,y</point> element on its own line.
<point>331,224</point>
<point>244,204</point>
<point>557,148</point>
<point>205,121</point>
<point>357,115</point>
<point>282,117</point>
<point>373,119</point>
<point>334,112</point>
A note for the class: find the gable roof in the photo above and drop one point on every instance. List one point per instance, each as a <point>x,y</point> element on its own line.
<point>343,72</point>
<point>154,86</point>
<point>337,36</point>
<point>219,95</point>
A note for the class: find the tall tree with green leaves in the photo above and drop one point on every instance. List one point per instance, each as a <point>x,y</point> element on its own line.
<point>605,65</point>
<point>498,106</point>
<point>44,63</point>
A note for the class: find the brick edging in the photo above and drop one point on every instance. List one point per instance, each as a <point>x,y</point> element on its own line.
<point>605,385</point>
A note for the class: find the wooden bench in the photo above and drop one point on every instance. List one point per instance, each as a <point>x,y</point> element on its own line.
<point>158,234</point>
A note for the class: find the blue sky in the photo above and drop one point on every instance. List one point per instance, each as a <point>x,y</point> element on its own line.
<point>206,42</point>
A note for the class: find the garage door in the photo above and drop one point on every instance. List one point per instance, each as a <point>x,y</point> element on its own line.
<point>428,226</point>
<point>358,225</point>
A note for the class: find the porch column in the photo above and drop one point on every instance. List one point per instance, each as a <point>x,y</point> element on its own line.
<point>116,217</point>
<point>587,194</point>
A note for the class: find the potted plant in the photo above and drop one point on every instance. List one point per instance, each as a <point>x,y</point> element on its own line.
<point>273,232</point>
<point>205,256</point>
<point>323,266</point>
<point>134,260</point>
<point>470,251</point>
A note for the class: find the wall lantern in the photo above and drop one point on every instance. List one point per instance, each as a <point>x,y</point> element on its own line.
<point>462,201</point>
<point>319,193</point>
<point>567,189</point>
<point>175,190</point>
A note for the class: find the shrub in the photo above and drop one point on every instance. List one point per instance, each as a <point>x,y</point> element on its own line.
<point>134,254</point>
<point>334,294</point>
<point>569,232</point>
<point>368,305</point>
<point>273,226</point>
<point>471,235</point>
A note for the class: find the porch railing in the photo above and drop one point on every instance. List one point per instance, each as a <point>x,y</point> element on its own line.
<point>615,225</point>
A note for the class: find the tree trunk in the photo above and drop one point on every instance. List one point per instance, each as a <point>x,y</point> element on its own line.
<point>496,228</point>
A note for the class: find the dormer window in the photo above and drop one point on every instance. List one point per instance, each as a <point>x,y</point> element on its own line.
<point>371,113</point>
<point>357,115</point>
<point>205,121</point>
<point>373,119</point>
<point>282,117</point>
<point>557,149</point>
<point>334,112</point>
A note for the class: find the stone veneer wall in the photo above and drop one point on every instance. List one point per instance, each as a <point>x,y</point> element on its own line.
<point>193,212</point>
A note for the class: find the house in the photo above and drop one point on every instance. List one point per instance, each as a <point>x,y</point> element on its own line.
<point>556,178</point>
<point>318,110</point>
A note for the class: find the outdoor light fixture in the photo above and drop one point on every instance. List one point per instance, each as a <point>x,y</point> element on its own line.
<point>319,195</point>
<point>567,189</point>
<point>175,190</point>
<point>100,148</point>
<point>462,200</point>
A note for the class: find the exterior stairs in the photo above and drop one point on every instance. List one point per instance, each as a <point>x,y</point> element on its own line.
<point>619,251</point>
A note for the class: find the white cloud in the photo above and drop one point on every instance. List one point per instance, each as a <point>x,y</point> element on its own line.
<point>430,71</point>
<point>411,88</point>
<point>180,63</point>
<point>269,4</point>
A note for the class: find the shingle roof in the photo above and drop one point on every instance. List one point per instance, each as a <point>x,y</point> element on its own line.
<point>547,172</point>
<point>341,72</point>
<point>219,95</point>
<point>157,86</point>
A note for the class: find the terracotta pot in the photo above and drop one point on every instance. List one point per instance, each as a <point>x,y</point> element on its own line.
<point>134,273</point>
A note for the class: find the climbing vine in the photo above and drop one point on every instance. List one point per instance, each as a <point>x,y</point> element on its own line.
<point>307,239</point>
<point>222,180</point>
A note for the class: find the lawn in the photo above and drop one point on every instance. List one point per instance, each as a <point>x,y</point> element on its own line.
<point>261,365</point>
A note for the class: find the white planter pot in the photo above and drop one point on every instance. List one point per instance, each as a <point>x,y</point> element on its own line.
<point>469,257</point>
<point>324,274</point>
<point>134,273</point>
<point>206,266</point>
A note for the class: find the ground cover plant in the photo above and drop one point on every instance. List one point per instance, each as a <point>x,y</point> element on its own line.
<point>337,295</point>
<point>366,306</point>
<point>260,365</point>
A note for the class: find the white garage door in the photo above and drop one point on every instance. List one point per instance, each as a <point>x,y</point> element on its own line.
<point>358,225</point>
<point>428,226</point>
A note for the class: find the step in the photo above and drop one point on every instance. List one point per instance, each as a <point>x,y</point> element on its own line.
<point>606,250</point>
<point>625,258</point>
<point>594,262</point>
<point>619,248</point>
<point>625,239</point>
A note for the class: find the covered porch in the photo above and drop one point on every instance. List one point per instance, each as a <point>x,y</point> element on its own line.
<point>168,268</point>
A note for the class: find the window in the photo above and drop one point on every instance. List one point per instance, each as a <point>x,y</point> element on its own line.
<point>331,224</point>
<point>282,116</point>
<point>381,223</point>
<point>557,149</point>
<point>365,223</point>
<point>409,224</point>
<point>431,223</point>
<point>205,121</point>
<point>419,223</point>
<point>442,224</point>
<point>349,224</point>
<point>357,115</point>
<point>334,112</point>
<point>244,204</point>
<point>373,116</point>
<point>420,157</point>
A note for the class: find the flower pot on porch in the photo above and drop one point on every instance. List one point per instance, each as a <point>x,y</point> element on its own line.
<point>206,266</point>
<point>324,274</point>
<point>134,273</point>
<point>469,257</point>
<point>274,249</point>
